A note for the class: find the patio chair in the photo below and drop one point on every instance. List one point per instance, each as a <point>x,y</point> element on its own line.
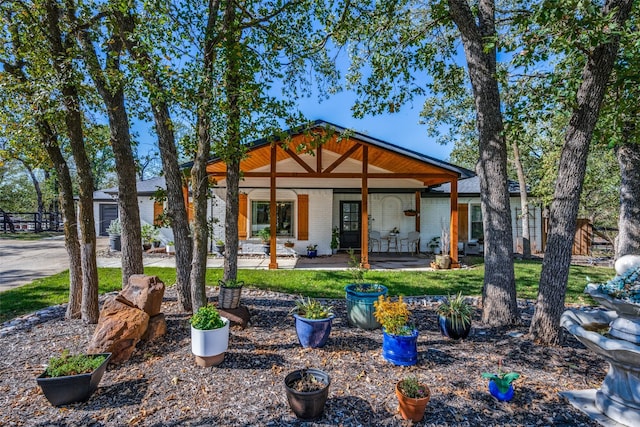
<point>374,239</point>
<point>411,242</point>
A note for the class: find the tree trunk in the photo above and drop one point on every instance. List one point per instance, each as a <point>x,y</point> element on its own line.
<point>176,211</point>
<point>524,203</point>
<point>628,240</point>
<point>499,291</point>
<point>36,186</point>
<point>112,93</point>
<point>73,120</point>
<point>67,203</point>
<point>233,153</point>
<point>545,325</point>
<point>199,178</point>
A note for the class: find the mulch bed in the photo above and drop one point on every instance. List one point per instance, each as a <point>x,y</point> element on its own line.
<point>162,386</point>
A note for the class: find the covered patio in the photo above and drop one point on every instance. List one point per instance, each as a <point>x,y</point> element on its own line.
<point>349,167</point>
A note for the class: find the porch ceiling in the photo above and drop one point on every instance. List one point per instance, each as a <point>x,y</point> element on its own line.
<point>338,161</point>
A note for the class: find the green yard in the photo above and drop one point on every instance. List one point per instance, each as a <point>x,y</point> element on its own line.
<point>54,289</point>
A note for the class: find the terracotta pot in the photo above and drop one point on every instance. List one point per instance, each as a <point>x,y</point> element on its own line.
<point>410,408</point>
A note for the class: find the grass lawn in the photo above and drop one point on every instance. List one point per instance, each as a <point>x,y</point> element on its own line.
<point>315,283</point>
<point>30,235</point>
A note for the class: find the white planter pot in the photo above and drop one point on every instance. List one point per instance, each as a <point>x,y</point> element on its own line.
<point>208,343</point>
<point>170,249</point>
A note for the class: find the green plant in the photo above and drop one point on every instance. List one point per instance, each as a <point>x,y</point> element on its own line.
<point>170,243</point>
<point>392,315</point>
<point>335,238</point>
<point>73,365</point>
<point>206,318</point>
<point>312,247</point>
<point>312,309</point>
<point>411,387</point>
<point>355,267</point>
<point>457,310</point>
<point>231,283</point>
<point>502,380</point>
<point>149,233</point>
<point>114,227</point>
<point>265,234</point>
<point>219,242</point>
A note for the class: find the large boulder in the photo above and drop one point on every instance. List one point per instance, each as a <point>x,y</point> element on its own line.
<point>157,328</point>
<point>145,292</point>
<point>120,326</point>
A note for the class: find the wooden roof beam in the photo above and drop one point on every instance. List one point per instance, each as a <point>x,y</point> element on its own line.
<point>342,158</point>
<point>298,160</point>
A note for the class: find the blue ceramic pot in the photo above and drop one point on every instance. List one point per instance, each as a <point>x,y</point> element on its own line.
<point>401,350</point>
<point>495,392</point>
<point>312,253</point>
<point>313,332</point>
<point>360,304</point>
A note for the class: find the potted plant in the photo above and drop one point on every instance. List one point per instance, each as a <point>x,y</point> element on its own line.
<point>335,240</point>
<point>265,237</point>
<point>500,383</point>
<point>148,233</point>
<point>361,296</point>
<point>443,259</point>
<point>69,379</point>
<point>312,251</point>
<point>289,244</point>
<point>307,391</point>
<point>209,336</point>
<point>115,231</point>
<point>220,246</point>
<point>413,397</point>
<point>410,212</point>
<point>313,322</point>
<point>394,231</point>
<point>229,295</point>
<point>399,339</point>
<point>454,317</point>
<point>171,249</point>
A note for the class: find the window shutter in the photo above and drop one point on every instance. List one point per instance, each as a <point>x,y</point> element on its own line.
<point>187,203</point>
<point>303,217</point>
<point>242,217</point>
<point>158,209</point>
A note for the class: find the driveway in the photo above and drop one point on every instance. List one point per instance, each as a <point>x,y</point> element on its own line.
<point>23,261</point>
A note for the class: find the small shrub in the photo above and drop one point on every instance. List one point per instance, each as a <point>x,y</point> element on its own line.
<point>207,318</point>
<point>312,309</point>
<point>410,387</point>
<point>73,365</point>
<point>392,315</point>
<point>458,310</point>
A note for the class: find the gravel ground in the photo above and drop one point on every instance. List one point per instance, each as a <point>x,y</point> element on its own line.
<point>162,386</point>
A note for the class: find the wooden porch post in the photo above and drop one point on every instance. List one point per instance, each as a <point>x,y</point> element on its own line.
<point>364,245</point>
<point>273,262</point>
<point>453,224</point>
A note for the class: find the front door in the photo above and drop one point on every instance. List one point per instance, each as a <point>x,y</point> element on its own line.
<point>350,225</point>
<point>108,212</point>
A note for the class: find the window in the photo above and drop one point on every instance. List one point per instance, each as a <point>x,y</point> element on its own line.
<point>260,218</point>
<point>477,232</point>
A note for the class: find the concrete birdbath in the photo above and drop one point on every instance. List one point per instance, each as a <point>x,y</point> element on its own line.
<point>614,335</point>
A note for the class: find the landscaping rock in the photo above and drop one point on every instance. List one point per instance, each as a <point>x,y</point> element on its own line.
<point>145,292</point>
<point>120,326</point>
<point>157,328</point>
<point>237,316</point>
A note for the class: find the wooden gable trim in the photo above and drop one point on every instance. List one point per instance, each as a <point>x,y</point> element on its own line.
<point>342,158</point>
<point>298,160</point>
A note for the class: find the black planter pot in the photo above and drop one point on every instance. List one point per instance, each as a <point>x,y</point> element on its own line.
<point>447,329</point>
<point>307,405</point>
<point>266,248</point>
<point>115,243</point>
<point>220,249</point>
<point>73,388</point>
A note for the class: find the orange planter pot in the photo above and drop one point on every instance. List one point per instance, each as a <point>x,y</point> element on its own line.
<point>410,408</point>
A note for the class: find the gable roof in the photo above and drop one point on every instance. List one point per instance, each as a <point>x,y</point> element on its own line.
<point>385,160</point>
<point>144,188</point>
<point>470,187</point>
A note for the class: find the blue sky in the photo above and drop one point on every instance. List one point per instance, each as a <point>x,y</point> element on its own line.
<point>400,128</point>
